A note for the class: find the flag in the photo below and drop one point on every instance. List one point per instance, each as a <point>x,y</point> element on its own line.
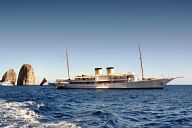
<point>43,81</point>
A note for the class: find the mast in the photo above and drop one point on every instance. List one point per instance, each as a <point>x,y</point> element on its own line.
<point>141,62</point>
<point>67,64</point>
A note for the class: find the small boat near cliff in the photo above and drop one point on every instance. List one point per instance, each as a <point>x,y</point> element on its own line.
<point>112,80</point>
<point>6,83</point>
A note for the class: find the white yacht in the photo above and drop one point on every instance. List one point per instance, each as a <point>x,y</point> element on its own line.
<point>112,80</point>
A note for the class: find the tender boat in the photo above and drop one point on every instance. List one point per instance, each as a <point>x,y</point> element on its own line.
<point>6,83</point>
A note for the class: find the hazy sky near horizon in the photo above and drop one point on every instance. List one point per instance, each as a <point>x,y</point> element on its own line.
<point>98,33</point>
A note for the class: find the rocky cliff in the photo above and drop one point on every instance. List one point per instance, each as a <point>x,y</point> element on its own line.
<point>10,75</point>
<point>26,75</point>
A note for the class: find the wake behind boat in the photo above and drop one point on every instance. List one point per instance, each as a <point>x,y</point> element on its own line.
<point>112,80</point>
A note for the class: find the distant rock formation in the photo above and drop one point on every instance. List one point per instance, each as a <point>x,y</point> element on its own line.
<point>26,75</point>
<point>10,76</point>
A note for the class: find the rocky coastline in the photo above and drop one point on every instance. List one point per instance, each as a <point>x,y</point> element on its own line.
<point>26,76</point>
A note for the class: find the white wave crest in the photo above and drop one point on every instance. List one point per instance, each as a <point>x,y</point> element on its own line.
<point>19,114</point>
<point>58,125</point>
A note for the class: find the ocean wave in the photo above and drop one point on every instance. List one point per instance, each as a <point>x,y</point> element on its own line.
<point>105,119</point>
<point>21,114</point>
<point>37,107</point>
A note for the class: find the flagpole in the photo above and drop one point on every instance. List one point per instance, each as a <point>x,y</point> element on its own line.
<point>141,62</point>
<point>67,64</point>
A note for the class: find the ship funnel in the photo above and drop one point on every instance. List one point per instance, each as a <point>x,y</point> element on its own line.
<point>98,71</point>
<point>110,71</point>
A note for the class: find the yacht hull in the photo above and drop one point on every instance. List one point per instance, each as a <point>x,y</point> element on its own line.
<point>143,84</point>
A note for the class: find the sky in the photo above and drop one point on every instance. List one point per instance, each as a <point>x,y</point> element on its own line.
<point>97,33</point>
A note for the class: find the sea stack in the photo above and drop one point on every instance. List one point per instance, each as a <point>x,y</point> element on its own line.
<point>26,75</point>
<point>10,76</point>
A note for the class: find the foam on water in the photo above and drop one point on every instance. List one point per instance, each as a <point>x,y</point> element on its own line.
<point>19,114</point>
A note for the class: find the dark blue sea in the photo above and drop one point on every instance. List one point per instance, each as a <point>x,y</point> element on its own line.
<point>47,107</point>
